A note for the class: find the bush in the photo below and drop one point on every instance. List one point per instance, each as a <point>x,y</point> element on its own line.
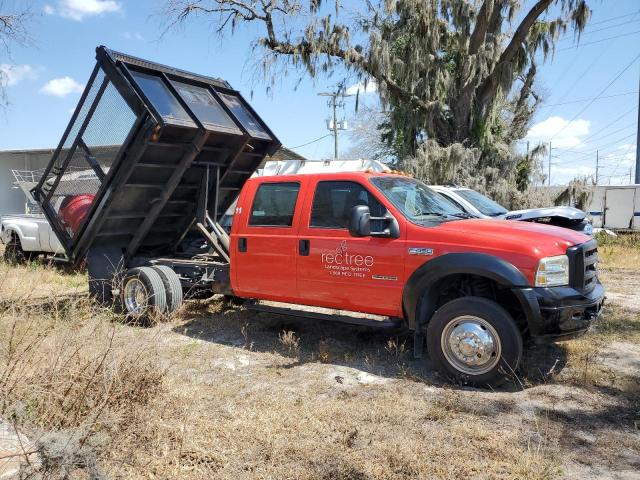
<point>66,373</point>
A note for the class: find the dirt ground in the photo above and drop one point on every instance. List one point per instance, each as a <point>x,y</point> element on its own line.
<point>252,395</point>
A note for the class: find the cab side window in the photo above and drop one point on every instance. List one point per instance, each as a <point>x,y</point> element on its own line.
<point>333,202</point>
<point>274,205</point>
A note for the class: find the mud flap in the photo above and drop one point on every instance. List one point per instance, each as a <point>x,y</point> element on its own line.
<point>104,265</point>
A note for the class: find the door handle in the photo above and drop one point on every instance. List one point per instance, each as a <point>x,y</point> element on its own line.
<point>304,248</point>
<point>242,244</point>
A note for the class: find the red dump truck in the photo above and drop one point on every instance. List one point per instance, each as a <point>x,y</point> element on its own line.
<point>376,249</point>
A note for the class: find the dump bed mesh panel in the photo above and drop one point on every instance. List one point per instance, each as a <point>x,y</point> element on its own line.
<point>131,170</point>
<point>93,143</point>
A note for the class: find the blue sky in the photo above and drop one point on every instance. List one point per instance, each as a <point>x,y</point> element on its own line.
<point>46,79</point>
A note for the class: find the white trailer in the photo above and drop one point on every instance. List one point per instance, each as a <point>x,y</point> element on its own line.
<point>616,207</point>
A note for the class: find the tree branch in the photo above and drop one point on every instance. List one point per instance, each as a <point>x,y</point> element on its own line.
<point>350,57</point>
<point>489,86</point>
<point>482,23</point>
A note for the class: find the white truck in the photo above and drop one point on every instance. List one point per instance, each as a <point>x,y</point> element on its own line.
<point>27,235</point>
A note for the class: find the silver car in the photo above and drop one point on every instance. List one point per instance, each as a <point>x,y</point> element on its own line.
<point>480,206</point>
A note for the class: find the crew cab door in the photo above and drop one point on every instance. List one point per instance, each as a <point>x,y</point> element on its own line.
<point>264,241</point>
<point>337,270</point>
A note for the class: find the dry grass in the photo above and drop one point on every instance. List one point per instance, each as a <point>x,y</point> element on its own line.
<point>73,381</point>
<point>622,251</point>
<point>290,342</point>
<point>220,392</point>
<point>21,283</point>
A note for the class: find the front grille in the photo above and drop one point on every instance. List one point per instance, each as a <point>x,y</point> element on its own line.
<point>583,260</point>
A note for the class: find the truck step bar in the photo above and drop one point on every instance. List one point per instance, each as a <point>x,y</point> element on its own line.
<point>320,313</point>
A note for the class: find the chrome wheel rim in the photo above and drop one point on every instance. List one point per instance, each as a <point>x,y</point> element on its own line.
<point>136,297</point>
<point>471,345</point>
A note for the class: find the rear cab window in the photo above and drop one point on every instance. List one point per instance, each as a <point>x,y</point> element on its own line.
<point>333,201</point>
<point>274,205</point>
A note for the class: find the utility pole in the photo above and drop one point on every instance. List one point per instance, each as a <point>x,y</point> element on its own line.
<point>549,177</point>
<point>597,164</point>
<point>333,125</point>
<point>638,140</point>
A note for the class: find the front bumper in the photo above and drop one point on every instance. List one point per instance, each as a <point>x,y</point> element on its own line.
<point>560,313</point>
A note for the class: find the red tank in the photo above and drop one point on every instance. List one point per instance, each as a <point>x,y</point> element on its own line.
<point>74,210</point>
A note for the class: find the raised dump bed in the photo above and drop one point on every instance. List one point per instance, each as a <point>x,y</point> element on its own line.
<point>150,161</point>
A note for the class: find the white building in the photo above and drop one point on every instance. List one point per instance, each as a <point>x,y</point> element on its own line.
<point>12,199</point>
<point>616,207</point>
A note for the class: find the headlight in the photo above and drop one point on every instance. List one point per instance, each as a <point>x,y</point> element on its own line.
<point>588,229</point>
<point>553,271</point>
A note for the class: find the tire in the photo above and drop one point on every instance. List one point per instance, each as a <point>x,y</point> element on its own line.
<point>493,344</point>
<point>142,295</point>
<point>172,287</point>
<point>14,254</point>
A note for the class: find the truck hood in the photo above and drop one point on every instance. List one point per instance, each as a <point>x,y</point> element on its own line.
<point>569,213</point>
<point>540,239</point>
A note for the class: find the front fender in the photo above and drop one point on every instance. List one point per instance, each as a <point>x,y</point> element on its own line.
<point>433,271</point>
<point>27,235</point>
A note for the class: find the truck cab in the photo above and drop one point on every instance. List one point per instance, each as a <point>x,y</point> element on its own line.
<point>387,244</point>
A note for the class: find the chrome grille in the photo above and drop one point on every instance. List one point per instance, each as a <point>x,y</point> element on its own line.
<point>583,261</point>
<point>590,267</point>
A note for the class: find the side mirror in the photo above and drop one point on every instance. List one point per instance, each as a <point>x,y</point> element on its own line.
<point>360,224</point>
<point>360,221</point>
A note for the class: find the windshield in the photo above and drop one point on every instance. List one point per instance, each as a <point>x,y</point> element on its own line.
<point>416,201</point>
<point>482,203</point>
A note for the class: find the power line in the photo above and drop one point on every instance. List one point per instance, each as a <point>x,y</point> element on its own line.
<point>312,141</point>
<point>587,32</point>
<point>597,96</point>
<point>582,100</point>
<point>614,18</point>
<point>582,75</point>
<point>613,122</point>
<point>626,127</point>
<point>620,161</point>
<point>591,152</point>
<point>597,41</point>
<point>588,69</point>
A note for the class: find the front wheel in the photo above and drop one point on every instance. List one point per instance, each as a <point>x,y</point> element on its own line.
<point>474,340</point>
<point>14,254</point>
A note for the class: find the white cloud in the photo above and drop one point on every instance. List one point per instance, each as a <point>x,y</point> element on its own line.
<point>12,74</point>
<point>61,87</point>
<point>562,133</point>
<point>625,155</point>
<point>372,87</point>
<point>79,9</point>
<point>132,36</point>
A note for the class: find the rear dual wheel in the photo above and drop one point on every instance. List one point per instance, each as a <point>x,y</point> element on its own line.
<point>149,293</point>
